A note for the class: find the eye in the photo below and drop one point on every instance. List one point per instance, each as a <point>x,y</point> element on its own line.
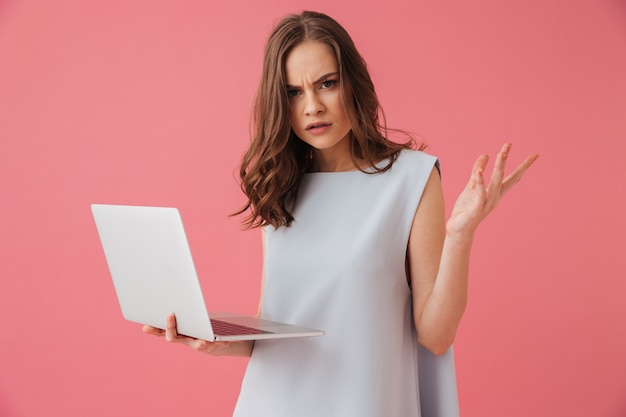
<point>292,93</point>
<point>329,83</point>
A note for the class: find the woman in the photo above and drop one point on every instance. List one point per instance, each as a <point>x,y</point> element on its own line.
<point>355,240</point>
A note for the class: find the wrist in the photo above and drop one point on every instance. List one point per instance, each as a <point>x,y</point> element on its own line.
<point>460,236</point>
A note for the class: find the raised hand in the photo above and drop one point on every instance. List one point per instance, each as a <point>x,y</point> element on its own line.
<point>477,200</point>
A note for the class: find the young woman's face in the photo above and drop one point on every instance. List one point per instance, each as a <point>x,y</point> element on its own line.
<point>313,86</point>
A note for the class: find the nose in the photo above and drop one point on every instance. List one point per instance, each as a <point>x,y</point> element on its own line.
<point>313,105</point>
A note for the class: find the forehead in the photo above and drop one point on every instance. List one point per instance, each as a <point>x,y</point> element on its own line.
<point>309,60</point>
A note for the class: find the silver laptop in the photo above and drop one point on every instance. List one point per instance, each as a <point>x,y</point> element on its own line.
<point>154,275</point>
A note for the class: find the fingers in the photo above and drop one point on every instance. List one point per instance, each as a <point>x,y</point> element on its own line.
<point>170,332</point>
<point>153,330</point>
<point>477,171</point>
<point>497,174</point>
<point>171,335</point>
<point>518,173</point>
<point>499,184</point>
<point>494,190</point>
<point>170,328</point>
<point>476,201</point>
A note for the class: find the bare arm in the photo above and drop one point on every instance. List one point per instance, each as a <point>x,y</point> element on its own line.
<point>439,252</point>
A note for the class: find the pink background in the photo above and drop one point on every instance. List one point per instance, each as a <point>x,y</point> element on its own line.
<point>147,102</point>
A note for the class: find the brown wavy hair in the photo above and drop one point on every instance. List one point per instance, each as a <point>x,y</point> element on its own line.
<point>273,165</point>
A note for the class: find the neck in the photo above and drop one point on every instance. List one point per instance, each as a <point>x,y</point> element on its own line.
<point>321,164</point>
<point>335,159</point>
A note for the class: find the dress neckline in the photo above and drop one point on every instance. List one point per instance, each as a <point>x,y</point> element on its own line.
<point>368,170</point>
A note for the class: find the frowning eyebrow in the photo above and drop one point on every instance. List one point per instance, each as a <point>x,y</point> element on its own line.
<point>319,80</point>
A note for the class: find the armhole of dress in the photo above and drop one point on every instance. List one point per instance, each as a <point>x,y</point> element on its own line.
<point>407,269</point>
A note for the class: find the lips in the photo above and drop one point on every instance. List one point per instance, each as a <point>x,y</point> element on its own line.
<point>317,125</point>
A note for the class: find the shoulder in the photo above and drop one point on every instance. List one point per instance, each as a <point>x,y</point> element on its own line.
<point>413,158</point>
<point>412,175</point>
<point>415,164</point>
<point>422,175</point>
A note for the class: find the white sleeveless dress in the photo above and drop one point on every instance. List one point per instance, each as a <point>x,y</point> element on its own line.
<point>340,267</point>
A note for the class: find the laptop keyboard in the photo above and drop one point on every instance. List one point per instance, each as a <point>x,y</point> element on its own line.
<point>224,328</point>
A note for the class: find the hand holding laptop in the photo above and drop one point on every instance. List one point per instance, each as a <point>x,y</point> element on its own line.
<point>234,348</point>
